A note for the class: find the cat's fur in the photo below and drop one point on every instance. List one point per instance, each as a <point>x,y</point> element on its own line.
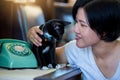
<point>53,31</point>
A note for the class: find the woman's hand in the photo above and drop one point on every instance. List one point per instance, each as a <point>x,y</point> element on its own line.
<point>33,35</point>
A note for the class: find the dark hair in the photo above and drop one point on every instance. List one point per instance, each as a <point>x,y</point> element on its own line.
<point>78,4</point>
<point>104,18</point>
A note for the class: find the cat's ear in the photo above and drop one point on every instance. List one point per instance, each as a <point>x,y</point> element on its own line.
<point>64,23</point>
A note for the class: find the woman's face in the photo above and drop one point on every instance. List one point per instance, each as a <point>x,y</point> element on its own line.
<point>85,36</point>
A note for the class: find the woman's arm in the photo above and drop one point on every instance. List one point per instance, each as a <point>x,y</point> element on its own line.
<point>36,40</point>
<point>60,55</point>
<point>33,35</point>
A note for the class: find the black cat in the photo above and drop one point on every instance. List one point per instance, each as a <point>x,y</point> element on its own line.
<point>53,31</point>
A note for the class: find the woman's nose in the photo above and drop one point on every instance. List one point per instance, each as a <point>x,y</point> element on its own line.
<point>76,28</point>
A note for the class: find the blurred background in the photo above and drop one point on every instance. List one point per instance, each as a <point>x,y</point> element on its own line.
<point>17,16</point>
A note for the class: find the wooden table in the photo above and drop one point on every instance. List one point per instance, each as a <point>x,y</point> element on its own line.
<point>66,73</point>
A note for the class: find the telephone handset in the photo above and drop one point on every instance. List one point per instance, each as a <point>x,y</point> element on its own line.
<point>16,54</point>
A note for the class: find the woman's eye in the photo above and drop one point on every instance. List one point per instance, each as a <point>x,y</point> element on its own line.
<point>83,25</point>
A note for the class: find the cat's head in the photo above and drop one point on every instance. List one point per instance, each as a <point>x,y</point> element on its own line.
<point>55,28</point>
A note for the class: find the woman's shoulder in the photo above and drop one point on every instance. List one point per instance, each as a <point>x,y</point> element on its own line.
<point>71,46</point>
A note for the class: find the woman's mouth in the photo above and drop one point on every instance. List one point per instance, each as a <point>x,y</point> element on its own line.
<point>77,37</point>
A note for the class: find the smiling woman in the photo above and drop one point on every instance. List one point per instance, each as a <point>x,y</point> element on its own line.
<point>97,28</point>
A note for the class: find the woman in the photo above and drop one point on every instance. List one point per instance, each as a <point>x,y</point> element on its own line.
<point>95,50</point>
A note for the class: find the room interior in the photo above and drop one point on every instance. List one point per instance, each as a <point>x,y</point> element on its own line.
<point>17,17</point>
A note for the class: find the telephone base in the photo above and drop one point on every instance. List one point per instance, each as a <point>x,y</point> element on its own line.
<point>14,62</point>
<point>16,54</point>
